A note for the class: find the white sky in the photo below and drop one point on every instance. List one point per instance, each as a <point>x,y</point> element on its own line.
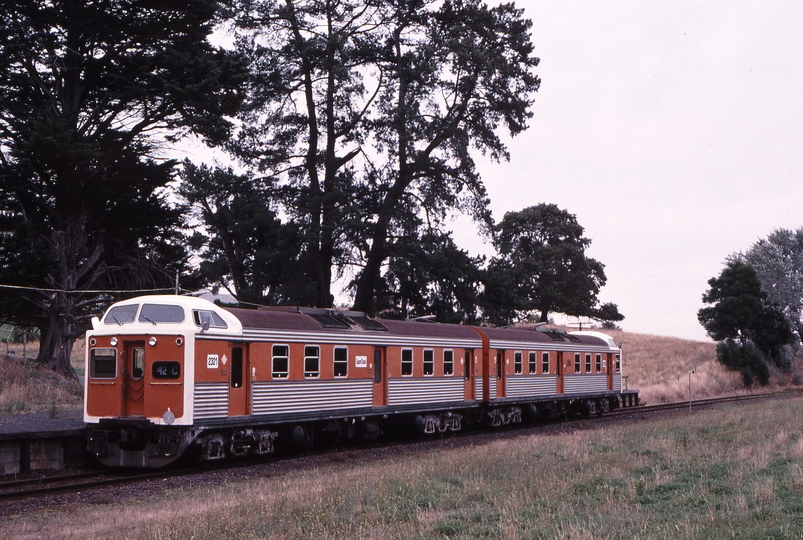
<point>672,130</point>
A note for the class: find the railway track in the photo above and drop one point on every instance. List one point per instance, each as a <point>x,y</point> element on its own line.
<point>41,487</point>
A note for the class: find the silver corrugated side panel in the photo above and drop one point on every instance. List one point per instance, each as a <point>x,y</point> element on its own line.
<point>617,382</point>
<point>275,397</point>
<point>408,391</point>
<point>585,384</point>
<point>211,400</point>
<point>534,385</point>
<point>478,387</point>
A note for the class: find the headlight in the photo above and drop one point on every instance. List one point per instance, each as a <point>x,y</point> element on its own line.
<point>152,341</point>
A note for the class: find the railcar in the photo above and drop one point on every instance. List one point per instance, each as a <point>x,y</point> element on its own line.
<point>171,375</point>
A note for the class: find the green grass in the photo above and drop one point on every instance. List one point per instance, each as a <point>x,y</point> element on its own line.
<point>732,472</point>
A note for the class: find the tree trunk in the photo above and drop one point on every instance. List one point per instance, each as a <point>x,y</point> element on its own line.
<point>58,336</point>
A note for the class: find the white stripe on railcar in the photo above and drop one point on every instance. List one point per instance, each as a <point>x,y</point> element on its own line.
<point>383,339</point>
<point>276,397</point>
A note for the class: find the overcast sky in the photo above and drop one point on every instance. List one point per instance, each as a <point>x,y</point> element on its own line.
<point>672,130</point>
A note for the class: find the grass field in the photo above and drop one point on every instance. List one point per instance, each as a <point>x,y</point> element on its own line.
<point>728,472</point>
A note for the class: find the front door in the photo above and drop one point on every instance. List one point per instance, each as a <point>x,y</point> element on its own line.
<point>134,378</point>
<point>560,373</point>
<point>239,379</point>
<point>380,378</point>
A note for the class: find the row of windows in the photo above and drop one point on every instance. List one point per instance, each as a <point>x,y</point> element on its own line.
<point>532,362</point>
<point>578,364</point>
<point>312,361</point>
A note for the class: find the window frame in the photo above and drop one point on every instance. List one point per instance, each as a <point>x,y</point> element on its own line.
<point>517,362</point>
<point>588,363</point>
<point>92,362</point>
<point>312,373</point>
<point>618,363</point>
<point>450,363</point>
<point>274,373</point>
<point>408,371</point>
<point>544,362</point>
<point>428,362</point>
<point>577,362</point>
<point>532,362</point>
<point>598,363</point>
<point>340,373</point>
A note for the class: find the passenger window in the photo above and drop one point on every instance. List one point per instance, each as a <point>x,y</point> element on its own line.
<point>407,362</point>
<point>588,363</point>
<point>577,362</point>
<point>281,361</point>
<point>545,362</point>
<point>103,363</point>
<point>341,362</point>
<point>312,361</point>
<point>429,362</point>
<point>599,363</point>
<point>532,363</point>
<point>448,362</point>
<point>517,362</point>
<point>618,363</point>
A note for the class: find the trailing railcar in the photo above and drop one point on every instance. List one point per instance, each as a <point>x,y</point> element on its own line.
<point>170,374</point>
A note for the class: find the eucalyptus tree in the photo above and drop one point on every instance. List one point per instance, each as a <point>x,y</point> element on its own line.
<point>454,74</point>
<point>367,113</point>
<point>92,91</point>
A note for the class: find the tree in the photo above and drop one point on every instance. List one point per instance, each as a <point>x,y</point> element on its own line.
<point>455,72</point>
<point>741,312</point>
<point>430,275</point>
<point>542,258</point>
<point>91,90</point>
<point>366,112</point>
<point>247,249</point>
<point>778,262</point>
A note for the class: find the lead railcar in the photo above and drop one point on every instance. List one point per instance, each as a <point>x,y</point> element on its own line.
<point>168,374</point>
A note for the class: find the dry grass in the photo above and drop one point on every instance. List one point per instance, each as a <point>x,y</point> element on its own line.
<point>26,386</point>
<point>732,472</point>
<point>659,366</point>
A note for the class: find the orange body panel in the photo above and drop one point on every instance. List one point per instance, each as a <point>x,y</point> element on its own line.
<point>139,394</point>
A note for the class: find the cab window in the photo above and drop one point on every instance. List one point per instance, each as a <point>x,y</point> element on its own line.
<point>121,314</point>
<point>103,363</point>
<point>161,313</point>
<point>208,318</point>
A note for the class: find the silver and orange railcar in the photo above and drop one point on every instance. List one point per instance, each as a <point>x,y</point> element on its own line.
<point>171,374</point>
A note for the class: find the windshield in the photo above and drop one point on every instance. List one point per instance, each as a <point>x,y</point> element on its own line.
<point>161,313</point>
<point>121,314</point>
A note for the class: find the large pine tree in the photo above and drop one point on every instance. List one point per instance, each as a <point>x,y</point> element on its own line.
<point>90,90</point>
